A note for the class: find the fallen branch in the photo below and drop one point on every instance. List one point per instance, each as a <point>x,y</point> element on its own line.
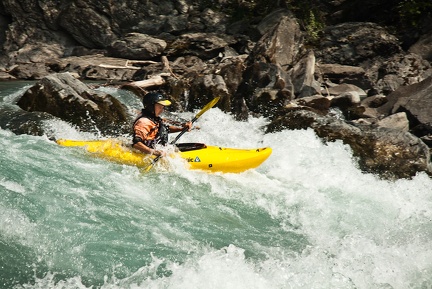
<point>128,65</point>
<point>155,80</point>
<point>138,87</point>
<point>119,67</point>
<point>140,62</point>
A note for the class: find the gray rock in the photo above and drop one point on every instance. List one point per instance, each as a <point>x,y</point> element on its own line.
<point>65,97</point>
<point>302,75</point>
<point>344,89</point>
<point>270,21</point>
<point>317,102</point>
<point>23,122</point>
<point>87,26</point>
<point>400,70</point>
<point>395,121</point>
<point>264,87</point>
<point>338,74</point>
<point>423,47</point>
<point>138,46</point>
<point>356,42</point>
<point>203,45</point>
<point>374,101</point>
<point>416,101</point>
<point>346,99</point>
<point>390,153</point>
<point>281,45</point>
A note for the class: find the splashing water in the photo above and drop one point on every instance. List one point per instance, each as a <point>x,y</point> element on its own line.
<point>307,218</point>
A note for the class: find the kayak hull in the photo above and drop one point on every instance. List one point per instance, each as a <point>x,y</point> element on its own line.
<point>198,156</point>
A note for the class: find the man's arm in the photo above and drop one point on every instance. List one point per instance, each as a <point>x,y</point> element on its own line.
<point>145,149</point>
<point>187,125</point>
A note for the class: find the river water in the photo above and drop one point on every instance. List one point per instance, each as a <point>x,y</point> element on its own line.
<point>306,218</point>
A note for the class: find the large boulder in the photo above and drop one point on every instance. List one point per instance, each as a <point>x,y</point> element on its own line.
<point>280,45</point>
<point>63,96</point>
<point>88,26</point>
<point>416,101</point>
<point>138,46</point>
<point>355,43</point>
<point>206,87</point>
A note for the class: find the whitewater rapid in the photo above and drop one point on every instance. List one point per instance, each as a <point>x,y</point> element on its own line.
<point>306,218</point>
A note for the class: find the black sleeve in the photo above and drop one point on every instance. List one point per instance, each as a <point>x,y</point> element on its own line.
<point>136,139</point>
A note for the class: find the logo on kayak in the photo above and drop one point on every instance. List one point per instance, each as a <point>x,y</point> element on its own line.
<point>191,160</point>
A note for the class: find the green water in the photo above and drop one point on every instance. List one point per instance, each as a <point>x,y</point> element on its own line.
<point>307,218</point>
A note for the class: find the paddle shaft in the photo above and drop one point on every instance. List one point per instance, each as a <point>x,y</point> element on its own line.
<point>202,111</point>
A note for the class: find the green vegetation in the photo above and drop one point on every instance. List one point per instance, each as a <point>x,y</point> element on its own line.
<point>308,12</point>
<point>412,11</point>
<point>310,16</point>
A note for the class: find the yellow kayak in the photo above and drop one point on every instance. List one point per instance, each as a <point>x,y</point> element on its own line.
<point>198,156</point>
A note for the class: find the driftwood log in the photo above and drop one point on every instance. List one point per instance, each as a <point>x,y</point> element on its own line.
<point>139,87</point>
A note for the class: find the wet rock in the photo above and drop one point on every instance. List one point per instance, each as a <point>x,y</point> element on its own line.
<point>65,97</point>
<point>232,71</point>
<point>265,86</point>
<point>390,153</point>
<point>23,122</point>
<point>205,88</point>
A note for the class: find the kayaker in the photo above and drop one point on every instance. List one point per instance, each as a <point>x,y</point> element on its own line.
<point>149,129</point>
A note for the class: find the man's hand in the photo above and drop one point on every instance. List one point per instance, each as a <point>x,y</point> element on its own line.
<point>188,125</point>
<point>158,153</point>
